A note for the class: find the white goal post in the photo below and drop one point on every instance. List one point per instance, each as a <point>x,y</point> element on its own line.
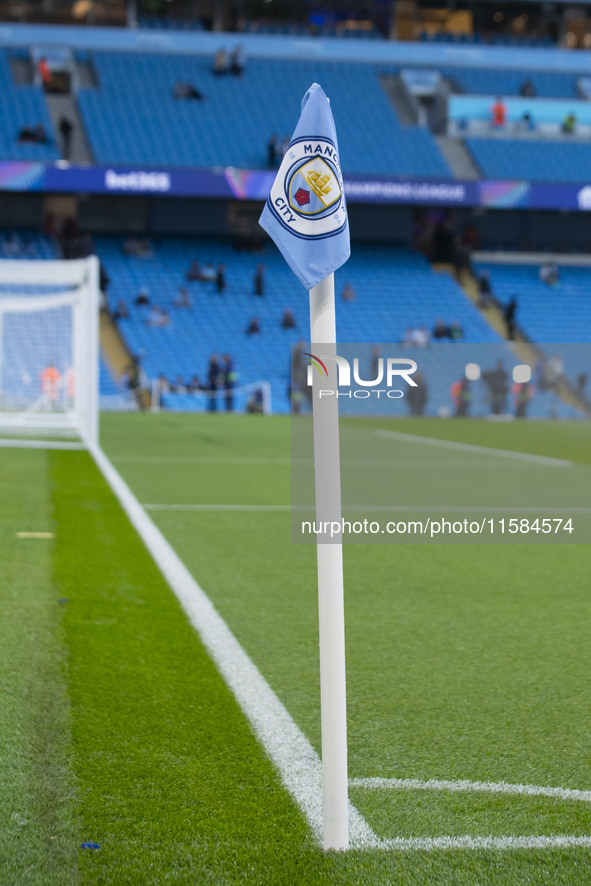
<point>49,349</point>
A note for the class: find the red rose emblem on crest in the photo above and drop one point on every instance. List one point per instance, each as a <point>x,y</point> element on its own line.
<point>302,196</point>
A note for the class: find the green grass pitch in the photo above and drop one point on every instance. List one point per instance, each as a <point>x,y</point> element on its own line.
<point>465,662</point>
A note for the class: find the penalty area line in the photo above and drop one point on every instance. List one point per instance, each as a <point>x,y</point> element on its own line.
<point>464,785</point>
<point>504,844</point>
<point>472,447</point>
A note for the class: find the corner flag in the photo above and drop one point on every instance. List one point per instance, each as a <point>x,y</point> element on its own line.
<point>305,213</point>
<point>306,216</point>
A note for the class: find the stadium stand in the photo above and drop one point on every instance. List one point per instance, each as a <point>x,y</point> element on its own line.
<point>528,159</point>
<point>132,117</point>
<point>22,106</point>
<point>395,289</point>
<point>547,314</point>
<point>495,81</point>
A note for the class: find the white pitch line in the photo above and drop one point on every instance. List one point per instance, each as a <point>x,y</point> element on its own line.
<point>471,447</point>
<point>298,763</point>
<point>463,785</point>
<point>430,844</point>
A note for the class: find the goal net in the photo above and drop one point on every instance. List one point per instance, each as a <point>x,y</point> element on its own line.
<point>49,349</point>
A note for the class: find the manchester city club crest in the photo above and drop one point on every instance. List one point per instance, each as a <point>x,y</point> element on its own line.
<point>307,195</point>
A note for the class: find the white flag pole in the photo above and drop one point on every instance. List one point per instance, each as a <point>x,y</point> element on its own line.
<point>330,573</point>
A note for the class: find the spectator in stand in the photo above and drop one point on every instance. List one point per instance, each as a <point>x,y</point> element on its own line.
<point>221,64</point>
<point>143,297</point>
<point>569,124</point>
<point>288,319</point>
<point>138,248</point>
<point>272,148</point>
<point>36,135</point>
<point>549,274</point>
<point>212,382</point>
<point>229,377</point>
<point>155,317</point>
<point>455,330</point>
<point>421,336</point>
<point>208,273</point>
<point>527,89</point>
<point>183,299</point>
<point>254,327</point>
<point>220,279</point>
<point>348,293</point>
<point>195,384</point>
<point>440,330</point>
<point>485,289</point>
<point>194,272</point>
<point>65,127</point>
<point>510,312</point>
<point>164,318</point>
<point>44,71</point>
<point>121,312</point>
<point>238,60</point>
<point>498,113</point>
<point>408,336</point>
<point>259,280</point>
<point>178,386</point>
<point>184,90</point>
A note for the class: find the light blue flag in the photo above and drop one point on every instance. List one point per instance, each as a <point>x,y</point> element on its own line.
<point>305,213</point>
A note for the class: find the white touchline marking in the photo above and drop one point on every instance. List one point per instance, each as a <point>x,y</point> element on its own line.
<point>471,447</point>
<point>34,534</point>
<point>493,787</point>
<point>298,763</point>
<point>13,443</point>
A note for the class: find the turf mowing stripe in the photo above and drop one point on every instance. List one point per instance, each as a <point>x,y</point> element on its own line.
<point>471,447</point>
<point>437,509</point>
<point>353,462</point>
<point>500,787</point>
<point>11,443</point>
<point>293,755</point>
<point>38,830</point>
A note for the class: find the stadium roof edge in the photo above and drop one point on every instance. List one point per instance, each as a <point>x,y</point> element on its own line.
<point>395,53</point>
